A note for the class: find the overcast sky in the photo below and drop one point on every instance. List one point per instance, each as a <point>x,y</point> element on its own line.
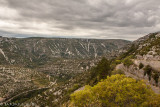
<point>102,19</point>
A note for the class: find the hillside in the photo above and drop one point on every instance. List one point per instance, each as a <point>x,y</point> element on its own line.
<point>145,57</point>
<point>31,52</point>
<point>130,80</point>
<point>55,76</point>
<point>16,80</point>
<point>43,69</point>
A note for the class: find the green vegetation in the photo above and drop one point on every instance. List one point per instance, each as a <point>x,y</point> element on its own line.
<point>115,91</point>
<point>119,90</point>
<point>26,96</point>
<point>153,41</point>
<point>101,71</point>
<point>148,71</point>
<point>153,101</point>
<point>156,78</point>
<point>75,87</point>
<point>118,61</point>
<point>117,72</point>
<point>130,51</point>
<point>141,66</point>
<point>151,73</point>
<point>104,90</point>
<point>41,82</point>
<point>127,61</point>
<point>146,47</point>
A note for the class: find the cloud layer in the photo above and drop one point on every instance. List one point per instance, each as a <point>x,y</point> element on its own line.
<point>123,19</point>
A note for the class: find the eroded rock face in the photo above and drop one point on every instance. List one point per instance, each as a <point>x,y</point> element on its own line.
<point>153,63</point>
<point>145,50</point>
<point>39,51</point>
<point>136,73</point>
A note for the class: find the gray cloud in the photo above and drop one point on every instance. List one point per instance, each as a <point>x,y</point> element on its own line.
<point>125,19</point>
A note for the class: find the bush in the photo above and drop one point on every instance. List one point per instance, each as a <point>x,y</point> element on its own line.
<point>75,87</point>
<point>117,72</point>
<point>148,71</point>
<point>141,66</point>
<point>115,91</point>
<point>113,65</point>
<point>156,78</point>
<point>118,61</point>
<point>153,101</point>
<point>127,62</point>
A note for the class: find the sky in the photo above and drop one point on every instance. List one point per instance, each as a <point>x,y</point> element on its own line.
<point>101,19</point>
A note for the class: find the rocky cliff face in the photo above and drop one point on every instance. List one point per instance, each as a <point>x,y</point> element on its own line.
<point>136,73</point>
<point>39,51</point>
<point>148,46</point>
<point>145,55</point>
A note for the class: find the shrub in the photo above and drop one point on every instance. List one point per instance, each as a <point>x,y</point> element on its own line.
<point>156,78</point>
<point>113,65</point>
<point>148,71</point>
<point>115,91</point>
<point>118,61</point>
<point>117,72</point>
<point>141,66</point>
<point>127,62</point>
<point>154,101</point>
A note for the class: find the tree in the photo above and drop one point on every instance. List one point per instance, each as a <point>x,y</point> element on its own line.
<point>101,71</point>
<point>103,68</point>
<point>117,90</point>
